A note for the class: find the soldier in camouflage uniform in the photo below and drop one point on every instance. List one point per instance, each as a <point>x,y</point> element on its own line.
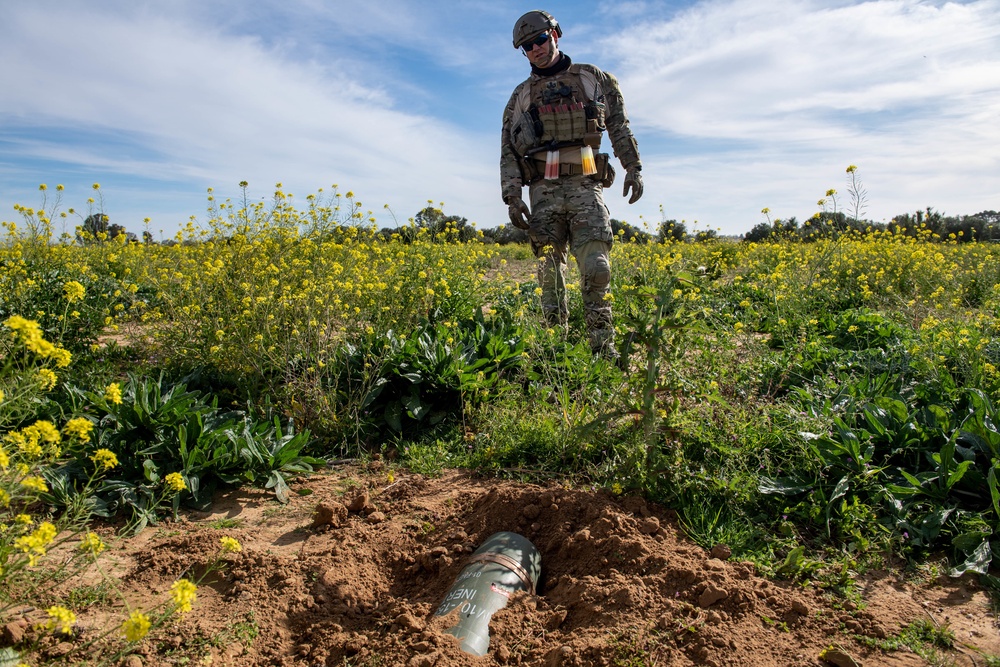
<point>552,128</point>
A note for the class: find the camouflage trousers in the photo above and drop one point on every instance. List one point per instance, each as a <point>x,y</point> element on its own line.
<point>568,214</point>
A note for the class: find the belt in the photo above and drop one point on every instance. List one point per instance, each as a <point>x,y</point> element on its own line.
<point>565,168</point>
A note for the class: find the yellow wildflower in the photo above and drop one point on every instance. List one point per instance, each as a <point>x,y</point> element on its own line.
<point>175,482</point>
<point>61,357</point>
<point>34,544</point>
<point>113,393</point>
<point>26,442</point>
<point>74,291</point>
<point>231,545</point>
<point>92,543</point>
<point>47,432</point>
<point>27,329</point>
<point>79,428</point>
<point>104,458</point>
<point>184,593</point>
<point>46,378</point>
<point>35,484</point>
<point>136,627</point>
<point>60,618</point>
<point>30,333</point>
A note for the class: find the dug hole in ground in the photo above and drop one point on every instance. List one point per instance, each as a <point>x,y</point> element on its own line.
<point>351,571</point>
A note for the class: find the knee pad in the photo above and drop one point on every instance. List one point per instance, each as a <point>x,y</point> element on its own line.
<point>597,272</point>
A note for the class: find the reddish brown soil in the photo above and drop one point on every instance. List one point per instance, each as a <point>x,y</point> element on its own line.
<point>621,585</point>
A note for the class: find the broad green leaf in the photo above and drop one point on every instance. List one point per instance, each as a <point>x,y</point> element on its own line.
<point>9,657</point>
<point>978,561</point>
<point>839,491</point>
<point>782,486</point>
<point>917,484</point>
<point>793,560</point>
<point>277,482</point>
<point>893,406</point>
<point>415,408</point>
<point>150,470</point>
<point>967,542</point>
<point>877,419</point>
<point>991,480</point>
<point>957,474</point>
<point>374,392</point>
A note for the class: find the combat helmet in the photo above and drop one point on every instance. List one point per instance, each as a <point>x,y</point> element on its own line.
<point>532,24</point>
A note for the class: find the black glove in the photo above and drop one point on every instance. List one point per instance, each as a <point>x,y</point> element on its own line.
<point>518,212</point>
<point>632,180</point>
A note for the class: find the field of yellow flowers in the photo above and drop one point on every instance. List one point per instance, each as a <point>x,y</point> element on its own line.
<point>802,402</point>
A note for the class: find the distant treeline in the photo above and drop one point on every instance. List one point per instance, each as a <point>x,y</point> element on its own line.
<point>929,224</point>
<point>431,222</point>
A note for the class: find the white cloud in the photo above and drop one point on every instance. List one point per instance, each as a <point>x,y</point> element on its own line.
<point>736,61</point>
<point>224,108</point>
<point>907,90</point>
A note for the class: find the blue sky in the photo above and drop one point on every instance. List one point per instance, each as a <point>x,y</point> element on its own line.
<point>737,104</point>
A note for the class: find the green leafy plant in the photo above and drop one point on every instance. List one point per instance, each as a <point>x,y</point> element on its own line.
<point>166,437</point>
<point>422,377</point>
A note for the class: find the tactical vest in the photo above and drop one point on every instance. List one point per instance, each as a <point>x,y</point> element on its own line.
<point>560,115</point>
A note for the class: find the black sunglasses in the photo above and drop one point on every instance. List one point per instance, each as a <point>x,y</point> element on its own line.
<point>537,41</point>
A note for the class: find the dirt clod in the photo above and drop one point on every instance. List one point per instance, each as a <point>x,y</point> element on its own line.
<point>329,514</point>
<point>721,551</point>
<point>649,526</point>
<point>361,504</point>
<point>800,607</point>
<point>13,632</point>
<point>60,649</point>
<point>711,595</point>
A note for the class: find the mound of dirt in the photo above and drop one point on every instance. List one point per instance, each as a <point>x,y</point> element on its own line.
<point>351,572</point>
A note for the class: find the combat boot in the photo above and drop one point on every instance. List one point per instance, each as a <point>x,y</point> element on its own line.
<point>557,319</point>
<point>602,344</point>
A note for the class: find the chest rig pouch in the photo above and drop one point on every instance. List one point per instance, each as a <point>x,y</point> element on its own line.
<point>563,115</point>
<point>560,116</point>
